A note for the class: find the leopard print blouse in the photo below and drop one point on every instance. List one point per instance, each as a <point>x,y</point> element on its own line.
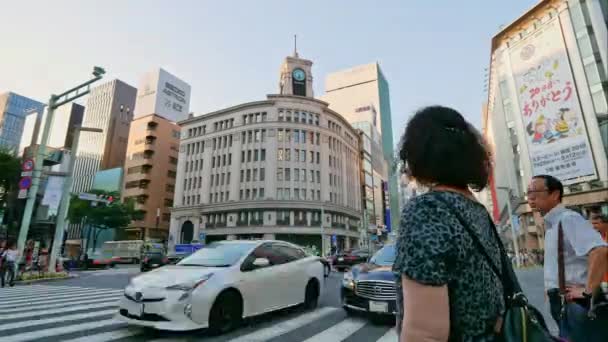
<point>433,248</point>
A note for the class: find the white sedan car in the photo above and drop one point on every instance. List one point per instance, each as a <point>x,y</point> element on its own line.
<point>220,284</point>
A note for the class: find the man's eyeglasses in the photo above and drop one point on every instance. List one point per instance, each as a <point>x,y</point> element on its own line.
<point>532,193</point>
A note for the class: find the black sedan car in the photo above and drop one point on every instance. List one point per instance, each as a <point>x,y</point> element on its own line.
<point>370,287</point>
<point>345,260</point>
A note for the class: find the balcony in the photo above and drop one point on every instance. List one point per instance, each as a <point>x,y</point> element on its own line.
<point>241,223</point>
<point>284,222</point>
<point>301,222</point>
<point>256,222</point>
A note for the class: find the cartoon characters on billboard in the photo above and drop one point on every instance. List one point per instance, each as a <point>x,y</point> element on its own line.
<point>546,130</point>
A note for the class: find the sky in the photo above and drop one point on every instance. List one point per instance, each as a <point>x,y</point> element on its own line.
<point>431,52</point>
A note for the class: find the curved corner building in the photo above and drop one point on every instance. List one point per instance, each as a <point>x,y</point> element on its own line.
<point>284,168</point>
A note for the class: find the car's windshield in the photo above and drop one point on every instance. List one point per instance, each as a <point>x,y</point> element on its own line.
<point>385,256</point>
<point>217,254</point>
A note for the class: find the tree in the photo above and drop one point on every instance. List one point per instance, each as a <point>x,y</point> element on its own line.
<point>116,215</point>
<point>10,166</point>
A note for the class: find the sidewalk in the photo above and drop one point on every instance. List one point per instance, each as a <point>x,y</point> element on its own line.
<point>532,282</point>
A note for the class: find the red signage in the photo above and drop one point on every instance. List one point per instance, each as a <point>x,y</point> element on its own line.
<point>28,165</point>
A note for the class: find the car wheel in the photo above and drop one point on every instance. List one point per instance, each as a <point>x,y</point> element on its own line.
<point>311,297</point>
<point>226,313</point>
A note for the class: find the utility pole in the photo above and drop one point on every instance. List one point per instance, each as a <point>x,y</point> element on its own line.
<point>55,102</point>
<point>513,233</point>
<point>322,233</point>
<point>64,204</point>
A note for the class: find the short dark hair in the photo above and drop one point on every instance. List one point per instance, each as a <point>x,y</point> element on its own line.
<point>552,184</point>
<point>440,147</point>
<point>600,216</point>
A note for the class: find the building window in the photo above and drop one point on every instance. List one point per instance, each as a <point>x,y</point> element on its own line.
<point>280,174</point>
<point>248,156</point>
<point>296,136</point>
<point>280,134</point>
<point>248,175</point>
<point>303,156</point>
<point>281,115</point>
<point>171,174</point>
<point>287,154</point>
<point>255,155</point>
<point>241,194</point>
<point>228,178</point>
<point>255,175</point>
<point>312,157</point>
<point>242,176</point>
<point>296,155</point>
<point>280,154</point>
<point>258,136</point>
<point>303,136</point>
<point>318,176</point>
<point>263,155</point>
<point>242,156</point>
<point>296,175</point>
<point>263,135</point>
<point>261,194</point>
<point>287,174</point>
<point>318,158</point>
<point>262,174</point>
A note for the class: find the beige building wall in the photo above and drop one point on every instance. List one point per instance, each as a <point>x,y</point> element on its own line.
<point>150,171</point>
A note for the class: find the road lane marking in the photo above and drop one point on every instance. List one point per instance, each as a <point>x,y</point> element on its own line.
<point>59,331</point>
<point>58,305</point>
<point>285,326</point>
<point>108,336</point>
<point>33,313</point>
<point>66,318</point>
<point>339,332</point>
<point>390,336</point>
<point>64,301</point>
<point>47,298</point>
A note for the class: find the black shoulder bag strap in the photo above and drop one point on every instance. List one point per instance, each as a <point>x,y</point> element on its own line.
<point>510,285</point>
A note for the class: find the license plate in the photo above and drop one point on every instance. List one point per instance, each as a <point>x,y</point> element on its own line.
<point>378,306</point>
<point>136,309</point>
<point>340,259</point>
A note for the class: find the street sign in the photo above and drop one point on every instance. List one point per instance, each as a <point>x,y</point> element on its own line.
<point>28,165</point>
<point>22,194</point>
<point>25,183</point>
<point>27,173</point>
<point>87,197</point>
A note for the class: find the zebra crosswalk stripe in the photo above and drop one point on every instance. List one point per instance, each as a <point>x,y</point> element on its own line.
<point>66,314</point>
<point>59,330</point>
<point>390,336</point>
<point>57,319</point>
<point>63,299</point>
<point>339,332</point>
<point>285,327</point>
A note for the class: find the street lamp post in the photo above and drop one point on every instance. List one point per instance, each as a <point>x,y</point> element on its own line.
<point>55,102</point>
<point>64,204</point>
<point>513,234</point>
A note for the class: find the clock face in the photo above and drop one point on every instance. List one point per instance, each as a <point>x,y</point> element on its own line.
<point>299,75</point>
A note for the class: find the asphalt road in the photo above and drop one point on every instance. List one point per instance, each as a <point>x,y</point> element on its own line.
<point>82,309</point>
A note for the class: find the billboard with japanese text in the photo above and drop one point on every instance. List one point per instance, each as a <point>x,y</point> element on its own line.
<point>549,107</point>
<point>163,94</point>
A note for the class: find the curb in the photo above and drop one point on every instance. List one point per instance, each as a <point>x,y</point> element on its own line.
<point>29,282</point>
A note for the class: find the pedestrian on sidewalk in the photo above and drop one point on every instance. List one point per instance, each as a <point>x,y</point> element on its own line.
<point>446,289</point>
<point>576,259</point>
<point>9,264</point>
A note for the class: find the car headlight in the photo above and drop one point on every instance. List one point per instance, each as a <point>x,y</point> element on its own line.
<point>190,286</point>
<point>348,280</point>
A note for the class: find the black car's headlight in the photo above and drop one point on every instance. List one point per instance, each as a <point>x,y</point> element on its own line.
<point>348,280</point>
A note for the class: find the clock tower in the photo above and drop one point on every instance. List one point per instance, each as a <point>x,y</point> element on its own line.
<point>296,76</point>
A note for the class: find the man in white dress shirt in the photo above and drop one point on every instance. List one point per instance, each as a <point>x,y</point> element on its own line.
<point>585,261</point>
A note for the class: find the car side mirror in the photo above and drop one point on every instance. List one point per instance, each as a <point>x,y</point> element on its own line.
<point>261,262</point>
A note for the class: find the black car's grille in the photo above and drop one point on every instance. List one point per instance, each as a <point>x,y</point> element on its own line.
<point>376,290</point>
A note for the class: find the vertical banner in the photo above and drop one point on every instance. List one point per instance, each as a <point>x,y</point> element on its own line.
<point>556,136</point>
